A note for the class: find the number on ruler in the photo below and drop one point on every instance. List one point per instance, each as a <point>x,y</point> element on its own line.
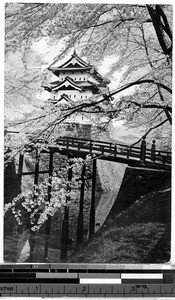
<point>144,286</point>
<point>133,289</point>
<point>142,289</point>
<point>84,289</point>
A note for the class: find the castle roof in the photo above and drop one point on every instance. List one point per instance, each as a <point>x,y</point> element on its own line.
<point>63,97</point>
<point>75,63</point>
<point>86,83</point>
<point>68,82</point>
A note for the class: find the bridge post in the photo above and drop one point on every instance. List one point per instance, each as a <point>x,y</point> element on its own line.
<point>80,215</point>
<point>32,233</point>
<point>143,150</point>
<point>115,150</point>
<point>92,210</point>
<point>102,149</point>
<point>90,147</point>
<point>153,150</point>
<point>128,152</point>
<point>65,224</point>
<point>20,167</point>
<point>48,223</point>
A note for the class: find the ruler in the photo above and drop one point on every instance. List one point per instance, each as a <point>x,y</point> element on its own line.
<point>57,281</point>
<point>98,290</point>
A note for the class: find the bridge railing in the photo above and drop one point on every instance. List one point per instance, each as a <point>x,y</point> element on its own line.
<point>138,153</point>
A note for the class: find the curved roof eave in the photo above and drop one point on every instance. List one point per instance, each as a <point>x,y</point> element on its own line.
<point>81,62</point>
<point>71,82</point>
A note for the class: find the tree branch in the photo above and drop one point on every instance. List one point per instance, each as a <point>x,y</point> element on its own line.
<point>159,28</point>
<point>141,82</point>
<point>166,108</point>
<point>154,127</point>
<point>151,106</point>
<point>24,10</point>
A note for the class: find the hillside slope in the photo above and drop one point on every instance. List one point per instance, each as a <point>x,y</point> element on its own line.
<point>139,233</point>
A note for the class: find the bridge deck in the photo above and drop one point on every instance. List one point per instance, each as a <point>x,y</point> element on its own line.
<point>151,158</point>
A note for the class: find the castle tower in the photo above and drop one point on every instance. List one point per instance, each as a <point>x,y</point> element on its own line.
<point>77,81</point>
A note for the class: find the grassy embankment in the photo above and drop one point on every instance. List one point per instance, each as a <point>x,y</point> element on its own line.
<point>137,229</point>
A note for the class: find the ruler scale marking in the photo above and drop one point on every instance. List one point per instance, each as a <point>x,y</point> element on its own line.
<point>45,280</point>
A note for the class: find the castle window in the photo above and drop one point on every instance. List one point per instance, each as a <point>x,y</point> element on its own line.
<point>79,78</point>
<point>81,97</point>
<point>75,79</point>
<point>74,96</point>
<point>84,78</point>
<point>70,96</point>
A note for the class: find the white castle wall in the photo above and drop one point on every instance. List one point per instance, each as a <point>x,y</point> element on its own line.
<point>73,94</point>
<point>76,76</point>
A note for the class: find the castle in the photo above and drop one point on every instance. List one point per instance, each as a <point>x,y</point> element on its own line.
<point>77,81</point>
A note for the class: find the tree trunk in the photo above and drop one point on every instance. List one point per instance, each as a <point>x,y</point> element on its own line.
<point>162,28</point>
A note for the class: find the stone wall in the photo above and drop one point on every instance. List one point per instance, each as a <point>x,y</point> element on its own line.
<point>138,182</point>
<point>78,130</point>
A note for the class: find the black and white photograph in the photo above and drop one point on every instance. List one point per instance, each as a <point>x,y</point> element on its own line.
<point>87,133</point>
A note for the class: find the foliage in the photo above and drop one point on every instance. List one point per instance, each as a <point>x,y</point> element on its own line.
<point>45,198</point>
<point>98,31</point>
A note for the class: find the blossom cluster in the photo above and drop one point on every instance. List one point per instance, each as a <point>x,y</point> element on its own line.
<point>44,199</point>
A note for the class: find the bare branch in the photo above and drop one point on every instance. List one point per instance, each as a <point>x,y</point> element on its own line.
<point>154,127</point>
<point>24,10</point>
<point>166,108</point>
<point>153,105</point>
<point>141,82</point>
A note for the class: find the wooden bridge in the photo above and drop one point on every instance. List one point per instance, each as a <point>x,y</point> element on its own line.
<point>130,155</point>
<point>76,147</point>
